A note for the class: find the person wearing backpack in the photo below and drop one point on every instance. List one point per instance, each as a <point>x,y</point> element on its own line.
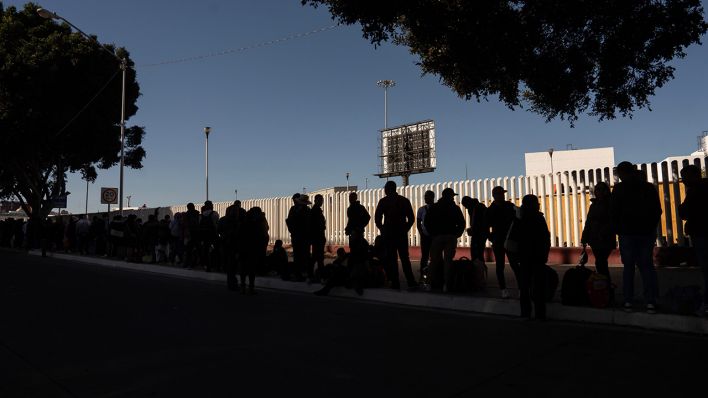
<point>208,223</point>
<point>694,210</point>
<point>635,213</point>
<point>597,231</point>
<point>534,244</point>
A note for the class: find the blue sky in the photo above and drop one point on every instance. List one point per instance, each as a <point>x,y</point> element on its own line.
<point>304,112</point>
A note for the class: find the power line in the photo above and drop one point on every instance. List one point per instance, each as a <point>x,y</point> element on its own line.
<point>241,49</point>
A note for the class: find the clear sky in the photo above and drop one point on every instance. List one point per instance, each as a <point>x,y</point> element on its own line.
<point>304,112</point>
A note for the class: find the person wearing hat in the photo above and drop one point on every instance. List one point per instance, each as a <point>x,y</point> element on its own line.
<point>394,218</point>
<point>297,223</point>
<point>635,213</point>
<point>445,223</point>
<point>500,215</point>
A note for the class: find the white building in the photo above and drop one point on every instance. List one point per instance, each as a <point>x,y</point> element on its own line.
<point>538,163</point>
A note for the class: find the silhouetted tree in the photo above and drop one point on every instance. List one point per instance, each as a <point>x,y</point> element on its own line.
<point>60,105</point>
<point>561,58</point>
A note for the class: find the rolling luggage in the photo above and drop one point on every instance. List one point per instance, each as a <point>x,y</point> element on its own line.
<point>598,288</point>
<point>468,275</point>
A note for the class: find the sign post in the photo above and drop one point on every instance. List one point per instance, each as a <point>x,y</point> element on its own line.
<point>109,196</point>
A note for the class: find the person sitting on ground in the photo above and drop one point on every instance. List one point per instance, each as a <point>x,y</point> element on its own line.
<point>278,259</point>
<point>337,274</point>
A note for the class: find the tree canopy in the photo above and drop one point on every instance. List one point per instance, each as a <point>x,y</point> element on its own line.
<point>60,107</point>
<point>560,58</point>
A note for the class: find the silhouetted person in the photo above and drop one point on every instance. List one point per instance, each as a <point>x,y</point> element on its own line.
<point>357,220</point>
<point>479,228</point>
<point>177,236</point>
<point>298,222</point>
<point>150,234</point>
<point>500,214</point>
<point>694,210</point>
<point>208,235</point>
<point>163,239</point>
<point>191,235</point>
<point>278,258</point>
<point>254,242</point>
<point>635,212</point>
<point>227,244</point>
<point>425,239</point>
<point>337,273</point>
<point>130,238</point>
<point>534,246</point>
<point>318,239</point>
<point>98,231</point>
<point>394,218</point>
<point>598,230</point>
<point>445,223</point>
<point>83,227</point>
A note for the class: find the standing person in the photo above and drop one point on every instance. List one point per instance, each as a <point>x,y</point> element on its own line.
<point>254,243</point>
<point>163,239</point>
<point>357,220</point>
<point>694,210</point>
<point>316,229</point>
<point>98,231</point>
<point>479,229</point>
<point>534,246</point>
<point>635,212</point>
<point>191,235</point>
<point>227,243</point>
<point>598,231</point>
<point>177,239</point>
<point>150,236</point>
<point>500,214</point>
<point>297,223</point>
<point>208,236</point>
<point>445,223</point>
<point>83,228</point>
<point>394,218</point>
<point>425,239</point>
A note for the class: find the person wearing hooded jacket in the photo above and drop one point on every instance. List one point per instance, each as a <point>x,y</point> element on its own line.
<point>534,245</point>
<point>597,231</point>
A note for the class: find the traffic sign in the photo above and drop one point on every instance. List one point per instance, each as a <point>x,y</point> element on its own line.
<point>58,202</point>
<point>109,196</point>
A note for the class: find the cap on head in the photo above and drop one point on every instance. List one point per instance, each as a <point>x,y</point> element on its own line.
<point>304,199</point>
<point>448,193</point>
<point>498,190</point>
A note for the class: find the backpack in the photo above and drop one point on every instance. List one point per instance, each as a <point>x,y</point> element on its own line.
<point>684,300</point>
<point>574,290</point>
<point>468,275</point>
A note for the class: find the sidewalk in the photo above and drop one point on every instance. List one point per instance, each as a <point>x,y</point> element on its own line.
<point>485,303</point>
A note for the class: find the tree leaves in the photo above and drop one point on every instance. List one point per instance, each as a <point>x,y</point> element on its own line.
<point>561,58</point>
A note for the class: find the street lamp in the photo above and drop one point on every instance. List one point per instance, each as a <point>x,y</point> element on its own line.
<point>550,153</point>
<point>386,84</point>
<point>207,130</point>
<point>347,181</point>
<point>44,13</point>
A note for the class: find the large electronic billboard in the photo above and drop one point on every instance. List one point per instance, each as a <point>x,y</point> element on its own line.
<point>407,149</point>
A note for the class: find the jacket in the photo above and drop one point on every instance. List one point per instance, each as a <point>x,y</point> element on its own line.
<point>598,225</point>
<point>357,219</point>
<point>694,209</point>
<point>635,208</point>
<point>499,216</point>
<point>444,218</point>
<point>298,221</point>
<point>534,239</point>
<point>318,224</point>
<point>394,215</point>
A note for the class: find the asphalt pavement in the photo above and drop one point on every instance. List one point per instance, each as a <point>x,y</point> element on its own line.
<point>74,330</point>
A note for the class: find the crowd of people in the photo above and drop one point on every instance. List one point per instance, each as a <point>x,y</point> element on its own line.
<point>626,217</point>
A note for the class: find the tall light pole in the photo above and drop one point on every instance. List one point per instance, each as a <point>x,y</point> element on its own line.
<point>207,130</point>
<point>386,84</point>
<point>550,154</point>
<point>347,181</point>
<point>44,13</point>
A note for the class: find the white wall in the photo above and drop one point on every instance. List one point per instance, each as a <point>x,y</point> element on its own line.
<point>538,163</point>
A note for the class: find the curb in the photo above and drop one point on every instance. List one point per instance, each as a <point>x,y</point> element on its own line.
<point>483,305</point>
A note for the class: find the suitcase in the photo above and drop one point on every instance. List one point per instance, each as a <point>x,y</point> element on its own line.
<point>598,288</point>
<point>468,275</point>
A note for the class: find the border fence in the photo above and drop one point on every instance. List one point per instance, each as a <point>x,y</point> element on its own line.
<point>564,197</point>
